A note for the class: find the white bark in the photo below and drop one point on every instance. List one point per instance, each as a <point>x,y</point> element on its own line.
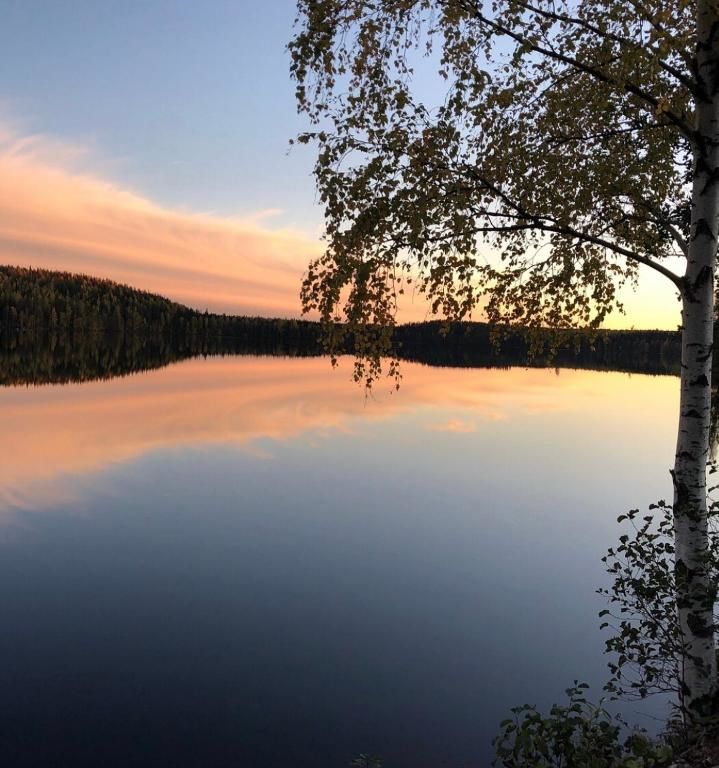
<point>695,592</point>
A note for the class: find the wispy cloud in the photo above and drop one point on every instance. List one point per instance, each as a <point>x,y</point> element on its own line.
<point>455,425</point>
<point>55,214</point>
<point>59,210</point>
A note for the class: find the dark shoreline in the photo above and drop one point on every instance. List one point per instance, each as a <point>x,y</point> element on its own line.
<point>57,327</point>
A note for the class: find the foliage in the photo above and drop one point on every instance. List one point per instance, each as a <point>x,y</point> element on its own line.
<point>578,735</point>
<point>521,157</point>
<point>646,644</point>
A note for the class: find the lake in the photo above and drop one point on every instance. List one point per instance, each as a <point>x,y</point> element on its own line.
<point>243,561</point>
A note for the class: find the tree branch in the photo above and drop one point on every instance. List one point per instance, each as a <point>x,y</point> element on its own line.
<point>685,128</point>
<point>687,82</point>
<point>570,232</point>
<point>548,224</point>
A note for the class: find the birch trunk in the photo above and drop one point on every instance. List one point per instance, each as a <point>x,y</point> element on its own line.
<point>695,590</point>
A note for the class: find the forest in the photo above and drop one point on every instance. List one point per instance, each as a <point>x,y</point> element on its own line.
<point>38,303</point>
<point>62,327</point>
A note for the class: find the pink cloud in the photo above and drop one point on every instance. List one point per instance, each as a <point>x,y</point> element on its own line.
<point>57,216</point>
<point>54,216</point>
<point>455,425</point>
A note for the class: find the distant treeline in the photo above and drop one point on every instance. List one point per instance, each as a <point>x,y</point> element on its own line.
<point>60,327</point>
<point>471,345</point>
<point>38,303</point>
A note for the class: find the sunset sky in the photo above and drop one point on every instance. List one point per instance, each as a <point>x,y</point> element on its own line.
<point>147,142</point>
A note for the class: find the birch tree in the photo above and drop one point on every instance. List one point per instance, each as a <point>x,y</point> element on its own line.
<point>524,158</point>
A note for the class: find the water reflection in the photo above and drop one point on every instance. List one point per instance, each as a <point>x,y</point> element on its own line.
<point>61,431</point>
<point>240,561</point>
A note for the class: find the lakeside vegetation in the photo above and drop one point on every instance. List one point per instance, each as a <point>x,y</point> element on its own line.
<point>60,327</point>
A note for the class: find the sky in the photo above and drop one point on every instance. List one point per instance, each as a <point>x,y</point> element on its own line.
<point>148,142</point>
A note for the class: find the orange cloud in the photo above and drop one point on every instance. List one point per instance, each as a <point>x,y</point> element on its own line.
<point>56,217</point>
<point>455,425</point>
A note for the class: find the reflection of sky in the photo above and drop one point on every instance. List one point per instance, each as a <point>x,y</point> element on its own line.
<point>61,433</point>
<point>242,562</point>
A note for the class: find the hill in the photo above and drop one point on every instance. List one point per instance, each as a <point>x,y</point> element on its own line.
<point>40,303</point>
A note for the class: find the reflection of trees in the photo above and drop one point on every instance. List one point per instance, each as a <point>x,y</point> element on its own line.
<point>470,345</point>
<point>59,359</point>
<point>64,358</point>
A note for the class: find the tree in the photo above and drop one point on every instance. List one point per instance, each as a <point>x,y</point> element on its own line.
<point>577,138</point>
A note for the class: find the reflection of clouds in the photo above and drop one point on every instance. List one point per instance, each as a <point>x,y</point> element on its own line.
<point>42,492</point>
<point>51,216</point>
<point>455,425</point>
<point>55,435</point>
<point>58,432</point>
<point>546,407</point>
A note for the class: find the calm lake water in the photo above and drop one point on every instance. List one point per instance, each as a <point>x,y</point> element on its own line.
<point>243,562</point>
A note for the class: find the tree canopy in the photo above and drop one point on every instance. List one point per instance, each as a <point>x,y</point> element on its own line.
<point>560,136</point>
